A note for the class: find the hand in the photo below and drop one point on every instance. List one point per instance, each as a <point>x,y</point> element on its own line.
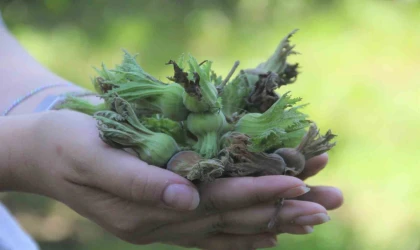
<point>139,203</point>
<point>62,157</point>
<point>329,197</point>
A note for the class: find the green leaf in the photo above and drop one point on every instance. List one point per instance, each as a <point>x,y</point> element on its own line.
<point>81,105</point>
<point>282,125</point>
<point>234,95</point>
<point>277,61</point>
<point>166,126</point>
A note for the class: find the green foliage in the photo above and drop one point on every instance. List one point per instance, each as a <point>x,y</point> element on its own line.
<point>282,125</point>
<point>122,129</point>
<point>81,105</point>
<point>277,62</point>
<point>207,99</point>
<point>150,96</point>
<point>234,95</point>
<point>169,127</point>
<point>130,70</point>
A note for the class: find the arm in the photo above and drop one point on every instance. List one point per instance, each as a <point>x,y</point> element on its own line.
<point>12,133</point>
<point>20,74</point>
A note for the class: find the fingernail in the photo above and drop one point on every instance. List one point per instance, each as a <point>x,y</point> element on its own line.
<point>265,243</point>
<point>314,219</point>
<point>308,229</point>
<point>180,196</point>
<point>294,192</point>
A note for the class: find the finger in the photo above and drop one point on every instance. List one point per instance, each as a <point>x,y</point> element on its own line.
<point>123,218</point>
<point>296,229</point>
<point>248,221</point>
<point>233,193</point>
<point>313,166</point>
<point>232,242</point>
<point>124,175</point>
<point>328,197</point>
<point>255,220</point>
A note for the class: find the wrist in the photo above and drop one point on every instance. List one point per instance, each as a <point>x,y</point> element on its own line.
<point>29,105</point>
<point>25,168</point>
<point>17,162</point>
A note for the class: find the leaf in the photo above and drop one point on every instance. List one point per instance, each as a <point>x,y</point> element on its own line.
<point>281,125</point>
<point>130,65</point>
<point>180,76</point>
<point>234,95</point>
<point>166,126</point>
<point>314,144</point>
<point>216,80</point>
<point>277,62</point>
<point>124,108</point>
<point>81,105</point>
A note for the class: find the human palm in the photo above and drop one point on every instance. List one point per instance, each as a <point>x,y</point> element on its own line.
<point>144,204</point>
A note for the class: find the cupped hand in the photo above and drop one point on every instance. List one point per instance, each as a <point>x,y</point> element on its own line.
<point>144,204</point>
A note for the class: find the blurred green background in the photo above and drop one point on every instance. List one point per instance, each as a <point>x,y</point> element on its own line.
<point>360,65</point>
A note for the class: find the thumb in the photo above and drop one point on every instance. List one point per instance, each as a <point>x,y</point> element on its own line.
<point>125,175</point>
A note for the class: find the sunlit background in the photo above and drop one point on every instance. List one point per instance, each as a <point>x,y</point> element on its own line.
<point>360,64</point>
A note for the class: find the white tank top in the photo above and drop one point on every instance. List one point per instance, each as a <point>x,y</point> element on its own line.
<point>12,237</point>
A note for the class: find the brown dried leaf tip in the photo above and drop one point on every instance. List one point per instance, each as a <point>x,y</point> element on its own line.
<point>104,85</point>
<point>181,77</point>
<point>263,96</point>
<point>289,74</point>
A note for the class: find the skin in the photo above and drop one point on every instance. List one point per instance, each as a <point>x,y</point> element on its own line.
<point>59,154</point>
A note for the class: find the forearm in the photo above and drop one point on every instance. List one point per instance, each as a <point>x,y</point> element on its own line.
<point>20,74</point>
